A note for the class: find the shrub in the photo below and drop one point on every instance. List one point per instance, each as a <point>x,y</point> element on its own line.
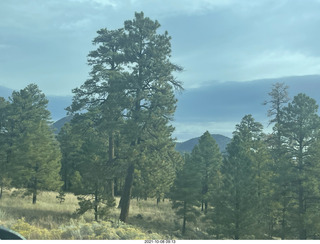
<point>35,233</point>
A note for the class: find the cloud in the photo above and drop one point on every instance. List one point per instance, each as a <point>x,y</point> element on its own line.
<point>188,130</point>
<point>212,39</point>
<point>77,24</point>
<point>279,63</point>
<point>111,3</point>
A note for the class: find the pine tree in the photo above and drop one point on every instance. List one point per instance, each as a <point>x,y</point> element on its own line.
<point>151,89</point>
<point>282,201</point>
<point>132,85</point>
<point>186,193</point>
<point>70,144</point>
<point>105,90</point>
<point>209,159</point>
<point>89,167</point>
<point>4,146</point>
<point>240,204</point>
<point>302,126</point>
<point>34,151</point>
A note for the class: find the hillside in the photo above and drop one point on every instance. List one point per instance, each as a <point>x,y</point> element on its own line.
<point>187,146</point>
<point>58,124</point>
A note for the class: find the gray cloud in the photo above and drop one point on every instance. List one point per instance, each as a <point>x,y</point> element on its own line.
<point>47,41</point>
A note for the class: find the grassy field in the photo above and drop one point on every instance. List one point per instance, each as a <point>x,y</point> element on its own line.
<point>48,219</point>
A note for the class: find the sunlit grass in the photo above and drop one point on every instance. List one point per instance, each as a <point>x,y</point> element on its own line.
<point>46,212</point>
<point>50,219</point>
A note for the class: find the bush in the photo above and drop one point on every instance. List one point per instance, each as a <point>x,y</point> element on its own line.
<point>35,233</point>
<point>78,230</point>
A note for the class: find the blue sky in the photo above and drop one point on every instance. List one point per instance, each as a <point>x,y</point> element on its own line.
<point>47,41</point>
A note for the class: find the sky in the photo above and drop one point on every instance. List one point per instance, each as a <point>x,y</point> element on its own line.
<point>47,41</point>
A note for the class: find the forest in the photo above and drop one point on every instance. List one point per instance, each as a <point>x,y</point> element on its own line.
<point>118,149</point>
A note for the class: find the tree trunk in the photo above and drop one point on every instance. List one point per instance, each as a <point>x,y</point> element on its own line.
<point>1,189</point>
<point>34,193</point>
<point>284,215</point>
<point>96,217</point>
<point>184,217</point>
<point>158,201</point>
<point>66,185</point>
<point>110,182</point>
<point>110,188</point>
<point>302,227</point>
<point>34,196</point>
<point>120,202</point>
<point>205,207</point>
<point>126,194</point>
<point>283,224</point>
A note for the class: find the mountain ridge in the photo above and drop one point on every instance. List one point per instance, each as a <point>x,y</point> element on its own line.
<point>216,106</point>
<point>188,145</point>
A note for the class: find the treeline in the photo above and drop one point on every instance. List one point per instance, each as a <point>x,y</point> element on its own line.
<point>119,143</point>
<point>267,185</point>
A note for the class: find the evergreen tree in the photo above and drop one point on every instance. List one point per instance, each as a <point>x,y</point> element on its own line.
<point>154,176</point>
<point>312,194</point>
<point>132,85</point>
<point>282,201</point>
<point>240,205</point>
<point>150,90</point>
<point>35,155</point>
<point>302,127</point>
<point>209,159</point>
<point>186,192</point>
<point>90,171</point>
<point>70,144</point>
<point>4,146</point>
<point>105,90</point>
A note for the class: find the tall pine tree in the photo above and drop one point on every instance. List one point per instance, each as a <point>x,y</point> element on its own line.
<point>240,208</point>
<point>281,179</point>
<point>133,85</point>
<point>209,159</point>
<point>302,125</point>
<point>34,152</point>
<point>186,192</point>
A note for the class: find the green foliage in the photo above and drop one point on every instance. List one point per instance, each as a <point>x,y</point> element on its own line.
<point>206,155</point>
<point>33,155</point>
<point>70,144</point>
<point>4,145</point>
<point>242,201</point>
<point>186,192</point>
<point>131,89</point>
<point>302,125</point>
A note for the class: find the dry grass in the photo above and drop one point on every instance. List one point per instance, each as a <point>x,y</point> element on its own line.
<point>49,216</point>
<point>154,218</point>
<point>47,212</point>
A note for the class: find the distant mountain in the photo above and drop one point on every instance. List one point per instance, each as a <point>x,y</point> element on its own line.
<point>219,106</point>
<point>230,101</point>
<point>57,105</point>
<point>5,92</point>
<point>60,123</point>
<point>187,146</point>
<point>216,107</point>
